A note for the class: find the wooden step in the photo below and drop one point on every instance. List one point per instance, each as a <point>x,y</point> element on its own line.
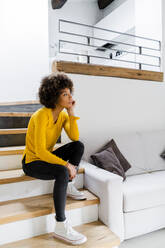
<point>23,106</point>
<point>31,207</point>
<point>18,175</point>
<point>9,122</point>
<point>11,140</point>
<point>19,103</point>
<point>13,131</point>
<point>15,114</point>
<point>98,236</point>
<point>14,150</point>
<point>12,137</point>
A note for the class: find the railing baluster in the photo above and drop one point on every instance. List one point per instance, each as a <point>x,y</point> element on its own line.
<point>140,52</point>
<point>88,57</point>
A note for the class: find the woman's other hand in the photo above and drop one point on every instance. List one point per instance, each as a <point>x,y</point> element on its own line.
<point>72,170</point>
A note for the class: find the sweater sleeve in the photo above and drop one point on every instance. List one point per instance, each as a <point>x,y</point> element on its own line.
<point>40,125</point>
<point>71,127</point>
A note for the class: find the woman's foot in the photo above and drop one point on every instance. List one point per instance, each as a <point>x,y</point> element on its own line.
<point>64,231</point>
<point>74,193</point>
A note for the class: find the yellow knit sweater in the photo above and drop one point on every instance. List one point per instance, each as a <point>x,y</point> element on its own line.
<point>42,134</point>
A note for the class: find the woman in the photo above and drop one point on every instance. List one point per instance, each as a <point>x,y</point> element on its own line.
<point>40,161</point>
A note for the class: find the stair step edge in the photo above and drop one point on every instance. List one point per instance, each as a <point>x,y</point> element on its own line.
<point>31,207</point>
<point>13,131</point>
<point>17,175</point>
<point>16,114</point>
<point>12,150</point>
<point>97,233</point>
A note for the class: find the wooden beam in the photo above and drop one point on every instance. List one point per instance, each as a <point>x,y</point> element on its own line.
<point>108,71</point>
<point>54,67</point>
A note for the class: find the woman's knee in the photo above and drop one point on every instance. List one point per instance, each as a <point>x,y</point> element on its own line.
<point>80,145</point>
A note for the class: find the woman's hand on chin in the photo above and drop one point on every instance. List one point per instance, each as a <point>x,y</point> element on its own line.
<point>70,110</point>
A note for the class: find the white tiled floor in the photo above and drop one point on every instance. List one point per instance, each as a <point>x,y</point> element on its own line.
<point>151,240</point>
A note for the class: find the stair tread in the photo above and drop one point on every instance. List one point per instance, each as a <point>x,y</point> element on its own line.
<point>18,175</point>
<point>19,103</point>
<point>98,236</point>
<point>16,114</point>
<point>12,148</point>
<point>13,130</point>
<point>6,129</point>
<point>20,149</point>
<point>35,206</point>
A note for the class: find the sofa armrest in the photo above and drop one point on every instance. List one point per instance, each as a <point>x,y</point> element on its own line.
<point>108,187</point>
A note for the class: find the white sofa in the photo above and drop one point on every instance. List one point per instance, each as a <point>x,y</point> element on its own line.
<point>137,205</point>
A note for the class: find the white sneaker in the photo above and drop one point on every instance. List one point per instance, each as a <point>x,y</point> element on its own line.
<point>74,193</point>
<point>64,231</point>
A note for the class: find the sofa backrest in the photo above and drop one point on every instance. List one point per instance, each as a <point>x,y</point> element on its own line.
<point>153,144</point>
<point>130,146</point>
<point>141,149</point>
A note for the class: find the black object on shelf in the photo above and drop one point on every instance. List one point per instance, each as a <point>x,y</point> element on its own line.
<point>104,3</point>
<point>57,4</point>
<point>105,46</point>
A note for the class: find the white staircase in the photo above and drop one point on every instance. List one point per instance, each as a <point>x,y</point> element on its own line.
<point>27,209</point>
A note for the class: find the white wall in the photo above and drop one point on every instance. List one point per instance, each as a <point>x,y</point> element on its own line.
<point>148,23</point>
<point>145,16</point>
<point>148,19</point>
<point>163,35</point>
<point>120,19</point>
<point>111,7</point>
<point>23,48</point>
<point>86,12</point>
<point>109,105</point>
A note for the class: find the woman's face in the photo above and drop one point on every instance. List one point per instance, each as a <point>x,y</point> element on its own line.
<point>65,98</point>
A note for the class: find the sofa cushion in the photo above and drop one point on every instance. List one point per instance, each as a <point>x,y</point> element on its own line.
<point>144,191</point>
<point>107,160</point>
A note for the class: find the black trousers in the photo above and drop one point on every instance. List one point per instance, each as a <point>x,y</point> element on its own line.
<point>39,169</point>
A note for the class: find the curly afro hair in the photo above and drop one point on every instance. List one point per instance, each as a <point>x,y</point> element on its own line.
<point>51,86</point>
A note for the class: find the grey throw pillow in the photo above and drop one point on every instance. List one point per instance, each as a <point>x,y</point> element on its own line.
<point>107,160</point>
<point>124,163</point>
<point>163,155</point>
